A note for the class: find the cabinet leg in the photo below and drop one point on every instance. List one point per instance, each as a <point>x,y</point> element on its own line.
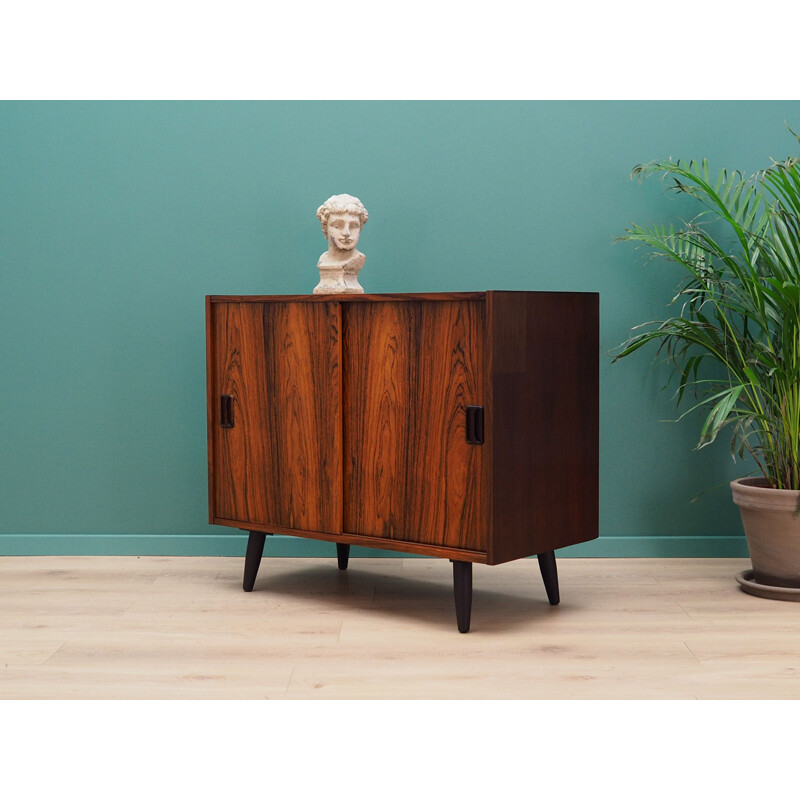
<point>252,560</point>
<point>547,565</point>
<point>462,589</point>
<point>343,554</point>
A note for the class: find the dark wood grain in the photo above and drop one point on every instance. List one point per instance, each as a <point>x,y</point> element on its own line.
<point>397,297</point>
<point>543,430</point>
<point>410,370</point>
<point>399,546</point>
<point>281,462</point>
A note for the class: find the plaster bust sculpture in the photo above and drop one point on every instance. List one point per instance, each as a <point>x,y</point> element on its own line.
<point>342,217</point>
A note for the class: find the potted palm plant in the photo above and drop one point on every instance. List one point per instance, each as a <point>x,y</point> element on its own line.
<point>733,343</point>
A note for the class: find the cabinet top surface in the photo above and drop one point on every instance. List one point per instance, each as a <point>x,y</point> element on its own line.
<point>366,298</point>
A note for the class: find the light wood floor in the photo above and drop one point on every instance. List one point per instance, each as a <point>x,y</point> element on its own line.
<point>153,627</point>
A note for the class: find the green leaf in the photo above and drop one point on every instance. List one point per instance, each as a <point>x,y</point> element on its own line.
<point>734,339</point>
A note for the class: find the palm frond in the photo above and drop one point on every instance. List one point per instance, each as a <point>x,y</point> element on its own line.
<point>738,307</point>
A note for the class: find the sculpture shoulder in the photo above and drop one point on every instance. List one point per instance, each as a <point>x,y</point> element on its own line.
<point>355,261</point>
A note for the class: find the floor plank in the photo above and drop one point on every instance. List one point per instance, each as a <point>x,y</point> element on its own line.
<point>175,628</point>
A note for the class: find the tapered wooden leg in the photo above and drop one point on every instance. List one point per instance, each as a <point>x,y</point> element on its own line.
<point>547,564</point>
<point>462,589</point>
<point>252,560</point>
<point>343,554</point>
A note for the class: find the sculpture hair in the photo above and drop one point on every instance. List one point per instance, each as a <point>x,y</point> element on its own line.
<point>341,204</point>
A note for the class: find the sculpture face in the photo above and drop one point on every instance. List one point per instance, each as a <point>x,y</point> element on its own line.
<point>344,230</point>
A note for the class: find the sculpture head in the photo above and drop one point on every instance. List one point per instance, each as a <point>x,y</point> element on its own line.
<point>342,217</point>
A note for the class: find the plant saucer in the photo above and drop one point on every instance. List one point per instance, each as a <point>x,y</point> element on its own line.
<point>751,586</point>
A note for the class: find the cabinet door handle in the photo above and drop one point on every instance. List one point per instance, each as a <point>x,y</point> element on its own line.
<point>226,411</point>
<point>474,424</point>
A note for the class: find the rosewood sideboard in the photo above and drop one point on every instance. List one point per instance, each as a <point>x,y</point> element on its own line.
<point>459,425</point>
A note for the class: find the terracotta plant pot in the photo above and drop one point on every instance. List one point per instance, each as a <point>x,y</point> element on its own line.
<point>772,526</point>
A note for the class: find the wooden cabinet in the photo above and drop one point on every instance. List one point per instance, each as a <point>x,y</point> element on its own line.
<point>461,425</point>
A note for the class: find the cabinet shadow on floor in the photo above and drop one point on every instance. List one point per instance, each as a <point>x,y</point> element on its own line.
<point>386,592</point>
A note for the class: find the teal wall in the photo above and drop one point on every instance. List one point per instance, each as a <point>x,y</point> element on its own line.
<point>116,218</point>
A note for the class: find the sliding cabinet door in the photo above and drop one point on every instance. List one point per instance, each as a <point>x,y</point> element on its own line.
<point>410,370</point>
<point>275,414</point>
